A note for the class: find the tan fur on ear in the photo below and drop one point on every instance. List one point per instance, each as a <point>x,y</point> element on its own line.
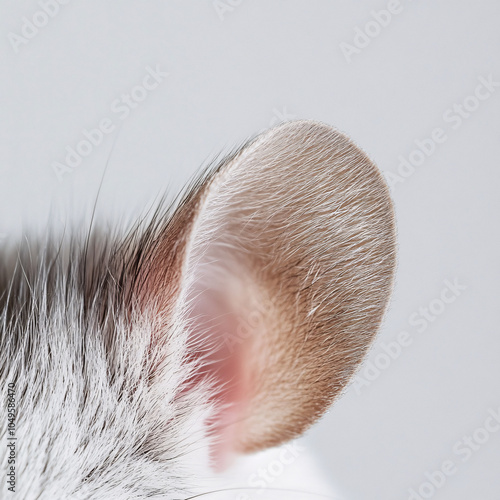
<point>298,227</point>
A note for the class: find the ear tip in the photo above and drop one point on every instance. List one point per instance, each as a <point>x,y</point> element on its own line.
<point>339,166</point>
<point>331,137</point>
<point>310,127</point>
<point>351,173</point>
<point>325,133</point>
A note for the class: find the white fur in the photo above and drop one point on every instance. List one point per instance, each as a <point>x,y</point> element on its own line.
<point>84,433</point>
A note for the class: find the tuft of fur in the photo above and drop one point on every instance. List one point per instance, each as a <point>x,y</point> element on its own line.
<point>102,410</point>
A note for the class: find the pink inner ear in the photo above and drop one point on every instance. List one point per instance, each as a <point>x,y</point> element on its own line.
<point>224,339</point>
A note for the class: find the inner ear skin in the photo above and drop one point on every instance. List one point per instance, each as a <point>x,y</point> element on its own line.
<point>222,339</point>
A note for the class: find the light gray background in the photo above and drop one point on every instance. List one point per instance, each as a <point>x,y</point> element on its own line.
<point>228,78</point>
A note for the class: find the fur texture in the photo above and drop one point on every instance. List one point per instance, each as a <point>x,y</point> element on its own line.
<point>113,363</point>
<point>101,414</point>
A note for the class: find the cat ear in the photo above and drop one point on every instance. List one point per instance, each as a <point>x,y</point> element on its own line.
<point>281,262</point>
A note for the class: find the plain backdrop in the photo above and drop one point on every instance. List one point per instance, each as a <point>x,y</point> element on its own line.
<point>236,67</point>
